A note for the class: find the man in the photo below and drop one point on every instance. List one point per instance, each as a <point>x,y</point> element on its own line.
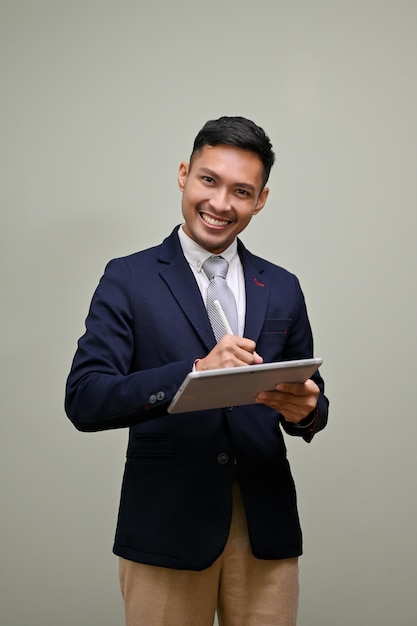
<point>208,519</point>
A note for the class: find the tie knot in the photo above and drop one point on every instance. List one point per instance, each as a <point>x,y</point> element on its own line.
<point>215,266</point>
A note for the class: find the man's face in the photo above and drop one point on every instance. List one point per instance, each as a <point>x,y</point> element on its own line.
<point>222,190</point>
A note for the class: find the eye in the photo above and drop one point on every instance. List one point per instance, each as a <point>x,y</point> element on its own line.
<point>242,192</point>
<point>208,179</point>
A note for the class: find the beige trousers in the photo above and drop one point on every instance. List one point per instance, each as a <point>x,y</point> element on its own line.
<point>244,590</point>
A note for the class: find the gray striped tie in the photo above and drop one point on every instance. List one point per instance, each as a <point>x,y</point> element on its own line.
<point>216,267</point>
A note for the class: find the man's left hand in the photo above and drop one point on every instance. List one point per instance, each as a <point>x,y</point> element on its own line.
<point>293,400</point>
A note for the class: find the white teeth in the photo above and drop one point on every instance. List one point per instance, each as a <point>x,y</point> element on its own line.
<point>213,221</point>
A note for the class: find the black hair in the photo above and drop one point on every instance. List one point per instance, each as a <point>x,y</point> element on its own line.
<point>239,132</point>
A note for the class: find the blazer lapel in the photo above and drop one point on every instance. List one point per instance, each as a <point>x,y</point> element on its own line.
<point>178,276</point>
<point>257,292</point>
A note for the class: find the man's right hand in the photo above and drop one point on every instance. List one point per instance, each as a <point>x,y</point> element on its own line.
<point>231,351</point>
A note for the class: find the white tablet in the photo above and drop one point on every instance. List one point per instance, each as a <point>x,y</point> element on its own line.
<point>235,386</point>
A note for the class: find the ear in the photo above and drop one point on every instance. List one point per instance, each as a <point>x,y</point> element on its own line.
<point>183,170</point>
<point>261,200</point>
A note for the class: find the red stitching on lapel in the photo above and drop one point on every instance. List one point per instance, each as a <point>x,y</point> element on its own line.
<point>258,283</point>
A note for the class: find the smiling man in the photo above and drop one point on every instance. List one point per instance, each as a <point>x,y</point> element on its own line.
<point>208,518</point>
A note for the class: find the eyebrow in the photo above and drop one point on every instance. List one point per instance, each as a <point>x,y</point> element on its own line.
<point>213,174</point>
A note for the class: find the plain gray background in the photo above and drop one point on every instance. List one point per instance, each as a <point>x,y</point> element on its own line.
<point>100,102</point>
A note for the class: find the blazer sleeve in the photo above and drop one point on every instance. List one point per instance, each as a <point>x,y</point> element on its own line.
<point>298,346</point>
<point>104,389</point>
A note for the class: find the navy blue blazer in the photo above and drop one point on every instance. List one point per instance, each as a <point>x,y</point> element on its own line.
<point>146,325</point>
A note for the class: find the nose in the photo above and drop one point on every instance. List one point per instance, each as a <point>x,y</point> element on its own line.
<point>220,200</point>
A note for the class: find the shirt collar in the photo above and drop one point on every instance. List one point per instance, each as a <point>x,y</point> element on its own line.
<point>196,255</point>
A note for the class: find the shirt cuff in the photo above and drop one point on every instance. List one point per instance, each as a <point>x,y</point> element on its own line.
<point>308,421</point>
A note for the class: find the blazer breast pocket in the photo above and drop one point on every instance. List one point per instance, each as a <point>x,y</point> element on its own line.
<point>271,341</point>
<point>276,326</point>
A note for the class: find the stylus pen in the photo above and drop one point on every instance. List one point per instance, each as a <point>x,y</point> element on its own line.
<point>226,324</point>
<point>223,318</point>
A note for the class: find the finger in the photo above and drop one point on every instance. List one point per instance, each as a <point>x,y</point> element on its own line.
<point>296,389</point>
<point>257,358</point>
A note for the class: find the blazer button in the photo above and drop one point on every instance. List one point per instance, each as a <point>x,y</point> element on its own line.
<point>160,396</point>
<point>152,399</point>
<point>223,458</point>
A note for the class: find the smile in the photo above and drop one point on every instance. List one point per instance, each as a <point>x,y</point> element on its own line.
<point>212,221</point>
